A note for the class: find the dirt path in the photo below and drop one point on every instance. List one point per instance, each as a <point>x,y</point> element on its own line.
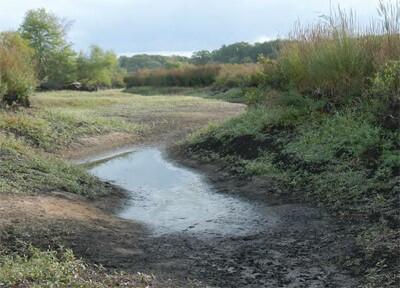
<point>301,251</point>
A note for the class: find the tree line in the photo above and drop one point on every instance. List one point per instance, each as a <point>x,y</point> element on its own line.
<point>237,53</point>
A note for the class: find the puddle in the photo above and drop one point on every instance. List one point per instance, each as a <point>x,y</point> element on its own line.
<point>169,198</point>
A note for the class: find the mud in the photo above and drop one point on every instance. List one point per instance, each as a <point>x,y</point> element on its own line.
<point>302,249</point>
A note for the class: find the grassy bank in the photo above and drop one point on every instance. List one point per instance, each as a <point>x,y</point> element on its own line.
<point>28,137</point>
<point>28,140</point>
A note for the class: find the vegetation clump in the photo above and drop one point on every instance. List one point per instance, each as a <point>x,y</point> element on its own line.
<point>17,75</point>
<point>36,268</point>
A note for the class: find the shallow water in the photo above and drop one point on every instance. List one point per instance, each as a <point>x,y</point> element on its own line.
<point>169,198</point>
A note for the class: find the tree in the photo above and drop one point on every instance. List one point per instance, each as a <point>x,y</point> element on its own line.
<point>17,74</point>
<point>240,52</point>
<point>46,34</point>
<point>99,68</point>
<point>202,57</point>
<point>144,61</point>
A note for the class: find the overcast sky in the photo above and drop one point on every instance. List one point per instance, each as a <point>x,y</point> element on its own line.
<point>177,26</point>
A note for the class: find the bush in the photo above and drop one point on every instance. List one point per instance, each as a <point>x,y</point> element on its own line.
<point>17,75</point>
<point>386,88</point>
<point>272,75</point>
<point>238,75</point>
<point>387,81</point>
<point>254,96</point>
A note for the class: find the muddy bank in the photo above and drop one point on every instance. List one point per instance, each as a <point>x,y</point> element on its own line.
<point>302,249</point>
<point>255,188</point>
<point>299,252</point>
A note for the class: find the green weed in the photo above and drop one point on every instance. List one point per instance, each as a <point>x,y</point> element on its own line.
<point>37,268</point>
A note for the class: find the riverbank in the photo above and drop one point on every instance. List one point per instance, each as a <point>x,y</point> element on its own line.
<point>343,160</point>
<point>45,200</point>
<point>302,249</point>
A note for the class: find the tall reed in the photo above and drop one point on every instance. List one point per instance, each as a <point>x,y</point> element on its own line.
<point>336,57</point>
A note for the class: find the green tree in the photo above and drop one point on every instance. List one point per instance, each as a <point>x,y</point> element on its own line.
<point>99,68</point>
<point>144,61</point>
<point>202,57</point>
<point>46,34</point>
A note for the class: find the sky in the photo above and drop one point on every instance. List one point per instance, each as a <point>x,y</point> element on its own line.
<point>178,26</point>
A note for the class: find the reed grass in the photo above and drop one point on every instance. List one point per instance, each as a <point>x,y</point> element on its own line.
<point>337,57</point>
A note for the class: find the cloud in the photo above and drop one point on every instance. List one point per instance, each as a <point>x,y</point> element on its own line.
<point>263,38</point>
<point>176,25</point>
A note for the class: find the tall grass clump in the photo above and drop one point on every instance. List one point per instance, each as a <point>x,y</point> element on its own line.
<point>336,58</point>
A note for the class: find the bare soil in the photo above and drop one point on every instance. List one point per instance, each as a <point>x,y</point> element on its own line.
<point>303,250</point>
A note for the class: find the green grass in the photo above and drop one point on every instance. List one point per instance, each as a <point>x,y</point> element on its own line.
<point>56,121</point>
<point>345,133</point>
<point>234,95</point>
<point>36,268</point>
<point>24,170</point>
<point>59,118</point>
<point>152,91</point>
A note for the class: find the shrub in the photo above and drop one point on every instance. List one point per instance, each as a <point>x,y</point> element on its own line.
<point>238,75</point>
<point>386,83</point>
<point>17,75</point>
<point>386,88</point>
<point>272,75</point>
<point>254,96</point>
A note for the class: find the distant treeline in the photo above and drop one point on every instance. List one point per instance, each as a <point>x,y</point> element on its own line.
<point>144,61</point>
<point>236,53</point>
